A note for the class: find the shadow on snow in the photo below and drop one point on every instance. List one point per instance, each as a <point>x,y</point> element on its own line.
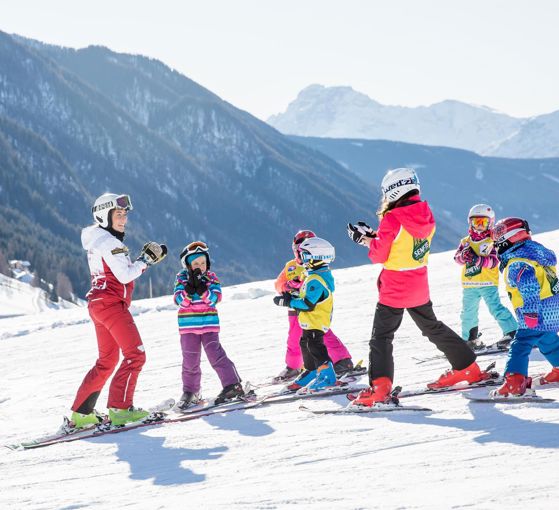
<point>150,459</point>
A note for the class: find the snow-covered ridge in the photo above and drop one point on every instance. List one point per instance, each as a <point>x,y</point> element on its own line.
<point>341,112</point>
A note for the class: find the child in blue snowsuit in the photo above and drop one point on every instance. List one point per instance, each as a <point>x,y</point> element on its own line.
<point>533,287</point>
<point>480,278</point>
<point>314,312</point>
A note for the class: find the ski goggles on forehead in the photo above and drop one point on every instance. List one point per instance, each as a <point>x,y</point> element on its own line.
<point>124,202</point>
<point>197,247</point>
<point>479,222</point>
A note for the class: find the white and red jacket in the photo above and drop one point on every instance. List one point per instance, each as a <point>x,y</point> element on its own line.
<point>112,271</point>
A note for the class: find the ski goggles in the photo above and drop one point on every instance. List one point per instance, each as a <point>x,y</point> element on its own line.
<point>479,223</point>
<point>124,202</point>
<point>196,247</point>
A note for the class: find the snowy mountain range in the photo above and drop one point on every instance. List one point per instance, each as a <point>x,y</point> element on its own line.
<point>460,455</point>
<point>341,112</point>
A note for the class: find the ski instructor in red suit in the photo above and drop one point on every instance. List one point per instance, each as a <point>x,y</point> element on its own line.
<point>112,284</point>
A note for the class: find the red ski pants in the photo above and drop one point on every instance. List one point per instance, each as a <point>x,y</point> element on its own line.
<point>116,331</point>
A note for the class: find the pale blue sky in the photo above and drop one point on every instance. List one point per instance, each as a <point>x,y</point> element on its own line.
<point>258,54</point>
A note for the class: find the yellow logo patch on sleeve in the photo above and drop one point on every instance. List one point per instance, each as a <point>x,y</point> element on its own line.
<point>118,251</point>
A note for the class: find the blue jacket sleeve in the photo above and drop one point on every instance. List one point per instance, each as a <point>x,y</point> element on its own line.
<point>179,293</point>
<point>523,277</point>
<point>213,295</point>
<point>314,294</point>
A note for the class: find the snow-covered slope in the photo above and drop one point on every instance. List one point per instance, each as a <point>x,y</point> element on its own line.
<point>18,298</point>
<point>463,455</point>
<point>341,112</point>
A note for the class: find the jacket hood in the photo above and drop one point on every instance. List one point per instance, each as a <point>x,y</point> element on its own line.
<point>92,235</point>
<point>530,250</point>
<point>416,218</point>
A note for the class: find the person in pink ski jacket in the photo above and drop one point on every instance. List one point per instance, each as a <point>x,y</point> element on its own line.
<point>402,244</point>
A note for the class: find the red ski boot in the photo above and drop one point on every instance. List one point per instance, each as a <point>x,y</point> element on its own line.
<point>378,392</point>
<point>515,385</point>
<point>471,374</point>
<point>552,377</point>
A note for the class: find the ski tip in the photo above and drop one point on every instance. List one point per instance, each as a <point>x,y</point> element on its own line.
<point>15,447</point>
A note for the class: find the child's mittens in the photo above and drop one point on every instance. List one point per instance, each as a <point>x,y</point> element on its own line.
<point>283,300</point>
<point>199,282</point>
<point>469,256</point>
<point>293,285</point>
<point>531,320</point>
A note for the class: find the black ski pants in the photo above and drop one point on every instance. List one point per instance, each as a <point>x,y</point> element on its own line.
<point>387,321</point>
<point>313,349</point>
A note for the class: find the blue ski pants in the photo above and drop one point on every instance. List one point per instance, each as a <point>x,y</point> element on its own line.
<point>521,347</point>
<point>470,308</point>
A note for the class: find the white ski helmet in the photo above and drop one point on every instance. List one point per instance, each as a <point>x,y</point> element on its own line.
<point>397,183</point>
<point>482,211</point>
<point>317,250</point>
<point>476,215</point>
<point>106,203</point>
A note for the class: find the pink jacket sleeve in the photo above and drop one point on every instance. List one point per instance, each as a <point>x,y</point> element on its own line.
<point>381,245</point>
<point>458,255</point>
<point>490,261</point>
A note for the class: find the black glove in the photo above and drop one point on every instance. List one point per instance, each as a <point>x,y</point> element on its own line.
<point>189,287</point>
<point>152,253</point>
<point>199,281</point>
<point>283,300</point>
<point>360,233</point>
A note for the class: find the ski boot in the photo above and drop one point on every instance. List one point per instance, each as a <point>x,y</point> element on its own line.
<point>551,377</point>
<point>124,416</point>
<point>343,366</point>
<point>471,374</point>
<point>187,400</point>
<point>230,392</point>
<point>473,341</point>
<point>504,342</point>
<point>515,385</point>
<point>379,392</point>
<point>287,374</point>
<point>303,380</point>
<point>325,377</point>
<point>81,421</point>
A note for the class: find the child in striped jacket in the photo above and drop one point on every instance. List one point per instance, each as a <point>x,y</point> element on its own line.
<point>197,292</point>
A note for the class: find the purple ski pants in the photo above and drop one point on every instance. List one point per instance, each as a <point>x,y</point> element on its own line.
<point>293,357</point>
<point>191,345</point>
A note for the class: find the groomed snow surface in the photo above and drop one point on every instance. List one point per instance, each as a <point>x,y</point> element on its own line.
<point>462,455</point>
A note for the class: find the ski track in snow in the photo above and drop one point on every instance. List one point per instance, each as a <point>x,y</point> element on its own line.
<point>463,455</point>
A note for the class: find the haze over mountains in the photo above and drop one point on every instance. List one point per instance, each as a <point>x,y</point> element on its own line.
<point>341,112</point>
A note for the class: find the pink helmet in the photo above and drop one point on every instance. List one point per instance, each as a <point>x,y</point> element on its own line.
<point>297,240</point>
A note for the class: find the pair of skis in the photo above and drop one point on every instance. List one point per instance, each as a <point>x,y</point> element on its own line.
<point>161,414</point>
